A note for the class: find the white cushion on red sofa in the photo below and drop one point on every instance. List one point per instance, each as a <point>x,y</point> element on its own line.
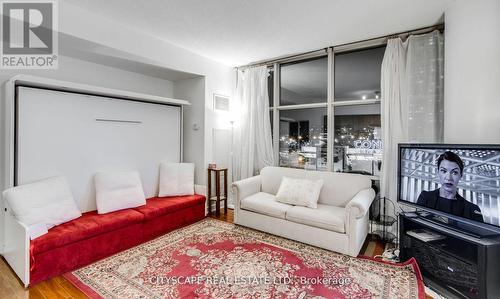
<point>118,190</point>
<point>48,201</point>
<point>176,179</point>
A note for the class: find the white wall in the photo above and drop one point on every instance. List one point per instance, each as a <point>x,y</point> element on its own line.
<point>141,46</point>
<point>472,72</point>
<point>80,71</point>
<point>128,44</point>
<point>193,90</point>
<point>119,42</point>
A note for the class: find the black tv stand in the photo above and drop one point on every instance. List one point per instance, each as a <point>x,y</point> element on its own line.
<point>455,264</point>
<point>458,226</point>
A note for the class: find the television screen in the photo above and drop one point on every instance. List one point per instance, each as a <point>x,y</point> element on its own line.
<point>458,180</point>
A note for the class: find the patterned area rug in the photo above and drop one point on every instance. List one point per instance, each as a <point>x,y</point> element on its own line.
<point>214,259</point>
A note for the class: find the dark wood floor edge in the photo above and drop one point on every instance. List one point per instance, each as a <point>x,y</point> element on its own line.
<point>365,244</point>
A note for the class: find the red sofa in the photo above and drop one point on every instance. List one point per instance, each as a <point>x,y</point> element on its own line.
<point>92,237</point>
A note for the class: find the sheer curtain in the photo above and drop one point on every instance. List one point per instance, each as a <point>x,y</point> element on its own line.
<point>412,86</point>
<point>252,144</point>
<point>425,81</point>
<point>394,113</point>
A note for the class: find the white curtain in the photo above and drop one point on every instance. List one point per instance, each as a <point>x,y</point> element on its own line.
<point>412,86</point>
<point>394,113</point>
<point>252,143</point>
<point>425,87</point>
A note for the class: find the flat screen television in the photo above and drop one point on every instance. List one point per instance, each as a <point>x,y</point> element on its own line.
<point>458,184</point>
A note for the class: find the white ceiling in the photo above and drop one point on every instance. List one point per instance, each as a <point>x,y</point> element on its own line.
<point>237,32</point>
<point>117,58</point>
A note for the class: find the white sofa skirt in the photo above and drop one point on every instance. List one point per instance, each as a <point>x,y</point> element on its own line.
<point>327,239</point>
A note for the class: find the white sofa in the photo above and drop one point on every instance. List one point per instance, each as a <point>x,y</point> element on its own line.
<point>340,223</point>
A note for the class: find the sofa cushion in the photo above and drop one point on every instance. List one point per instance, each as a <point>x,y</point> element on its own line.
<point>116,191</point>
<point>299,192</point>
<point>324,216</point>
<point>339,188</point>
<point>48,201</point>
<point>271,177</point>
<point>90,224</point>
<point>158,206</point>
<point>176,179</point>
<point>265,203</point>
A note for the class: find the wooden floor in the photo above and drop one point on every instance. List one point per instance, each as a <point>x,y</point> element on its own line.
<point>59,287</point>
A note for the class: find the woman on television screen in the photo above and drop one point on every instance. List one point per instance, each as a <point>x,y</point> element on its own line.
<point>446,198</point>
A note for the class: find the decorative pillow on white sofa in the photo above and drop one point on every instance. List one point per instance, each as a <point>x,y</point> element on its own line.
<point>48,201</point>
<point>299,192</point>
<point>118,190</point>
<point>176,179</point>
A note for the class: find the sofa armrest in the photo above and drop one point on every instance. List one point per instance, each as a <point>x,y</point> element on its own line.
<point>360,203</point>
<point>245,188</point>
<point>357,219</point>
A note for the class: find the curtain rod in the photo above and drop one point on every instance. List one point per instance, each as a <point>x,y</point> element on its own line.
<point>283,58</point>
<point>347,46</point>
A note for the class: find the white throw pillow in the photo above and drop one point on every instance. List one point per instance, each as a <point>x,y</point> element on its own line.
<point>47,201</point>
<point>176,179</point>
<point>299,192</point>
<point>118,190</point>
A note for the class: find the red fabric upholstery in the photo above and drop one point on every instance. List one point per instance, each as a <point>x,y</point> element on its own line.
<point>78,254</point>
<point>168,222</point>
<point>89,225</point>
<point>92,237</point>
<point>158,206</point>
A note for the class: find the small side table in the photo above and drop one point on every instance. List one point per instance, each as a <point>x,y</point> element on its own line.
<point>218,196</point>
<point>382,223</point>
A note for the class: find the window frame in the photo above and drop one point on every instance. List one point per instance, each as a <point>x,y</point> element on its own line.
<point>330,103</point>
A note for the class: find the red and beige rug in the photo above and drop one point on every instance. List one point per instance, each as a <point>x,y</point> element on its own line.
<point>214,259</point>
